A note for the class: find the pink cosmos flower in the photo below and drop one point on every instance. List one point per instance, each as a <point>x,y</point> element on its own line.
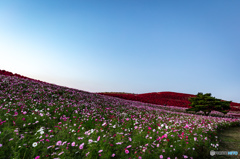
<point>161,156</point>
<point>149,128</point>
<point>113,154</point>
<point>81,146</point>
<point>59,143</point>
<point>126,151</point>
<point>87,153</point>
<point>118,143</point>
<point>98,138</point>
<point>73,144</point>
<point>100,151</point>
<point>186,126</point>
<point>129,146</point>
<point>164,136</point>
<point>37,157</point>
<point>90,141</point>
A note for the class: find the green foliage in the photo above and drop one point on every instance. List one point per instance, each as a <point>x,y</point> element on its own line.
<point>206,103</point>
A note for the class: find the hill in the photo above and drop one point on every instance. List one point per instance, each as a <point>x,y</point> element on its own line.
<point>41,120</point>
<point>163,98</point>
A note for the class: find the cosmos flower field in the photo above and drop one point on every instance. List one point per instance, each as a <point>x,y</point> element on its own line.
<point>40,120</point>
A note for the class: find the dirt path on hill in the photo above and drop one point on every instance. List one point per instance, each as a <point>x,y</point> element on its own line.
<point>229,141</point>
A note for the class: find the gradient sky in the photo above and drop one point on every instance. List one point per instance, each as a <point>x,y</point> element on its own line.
<point>134,46</point>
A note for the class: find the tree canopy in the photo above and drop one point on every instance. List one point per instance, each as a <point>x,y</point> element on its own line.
<point>206,103</point>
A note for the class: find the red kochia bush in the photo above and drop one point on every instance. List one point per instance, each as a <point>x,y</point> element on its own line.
<point>164,98</point>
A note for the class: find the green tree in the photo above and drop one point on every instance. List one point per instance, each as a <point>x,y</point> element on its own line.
<point>206,103</point>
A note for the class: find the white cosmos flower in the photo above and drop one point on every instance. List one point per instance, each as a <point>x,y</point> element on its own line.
<point>114,126</point>
<point>34,144</point>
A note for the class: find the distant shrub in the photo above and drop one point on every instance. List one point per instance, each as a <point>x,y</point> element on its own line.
<point>206,103</point>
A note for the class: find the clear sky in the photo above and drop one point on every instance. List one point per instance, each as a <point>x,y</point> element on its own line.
<point>135,46</point>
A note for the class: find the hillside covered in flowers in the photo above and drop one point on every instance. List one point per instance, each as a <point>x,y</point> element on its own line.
<point>40,120</point>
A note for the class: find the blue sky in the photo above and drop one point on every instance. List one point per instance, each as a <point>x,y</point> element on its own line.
<point>133,46</point>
